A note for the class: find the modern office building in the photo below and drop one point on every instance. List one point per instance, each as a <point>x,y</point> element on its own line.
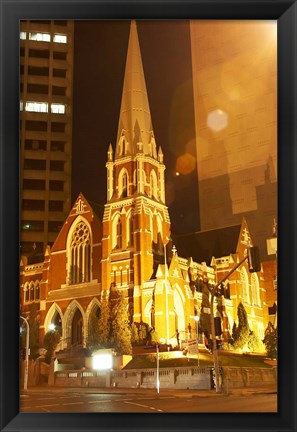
<point>235,101</point>
<point>46,75</point>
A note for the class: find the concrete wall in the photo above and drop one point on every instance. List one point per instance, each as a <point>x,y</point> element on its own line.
<point>176,378</point>
<point>235,377</point>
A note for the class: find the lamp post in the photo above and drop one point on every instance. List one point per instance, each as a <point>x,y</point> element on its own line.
<point>196,318</point>
<point>27,353</point>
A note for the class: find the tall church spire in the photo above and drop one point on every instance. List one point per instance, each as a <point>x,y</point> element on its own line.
<point>135,132</point>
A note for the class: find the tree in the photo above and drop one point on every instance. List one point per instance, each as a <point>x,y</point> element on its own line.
<point>33,321</point>
<point>120,327</point>
<point>254,343</point>
<point>93,341</point>
<point>241,331</point>
<point>104,321</point>
<point>51,340</point>
<point>134,334</point>
<point>270,340</point>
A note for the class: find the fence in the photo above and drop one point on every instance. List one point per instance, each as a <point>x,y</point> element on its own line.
<point>179,378</point>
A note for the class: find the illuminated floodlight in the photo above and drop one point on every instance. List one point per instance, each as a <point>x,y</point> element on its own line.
<point>52,326</point>
<point>102,361</point>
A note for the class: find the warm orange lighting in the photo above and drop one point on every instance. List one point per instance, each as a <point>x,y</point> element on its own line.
<point>185,164</point>
<point>217,120</point>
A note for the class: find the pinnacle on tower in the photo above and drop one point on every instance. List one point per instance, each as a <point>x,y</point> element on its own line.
<point>135,124</point>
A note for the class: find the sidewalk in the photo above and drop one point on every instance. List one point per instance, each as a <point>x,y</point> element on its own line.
<point>182,393</point>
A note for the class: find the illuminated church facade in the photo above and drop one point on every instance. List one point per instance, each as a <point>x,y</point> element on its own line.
<point>129,246</point>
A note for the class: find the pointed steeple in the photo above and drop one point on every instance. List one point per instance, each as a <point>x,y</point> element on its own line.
<point>135,124</point>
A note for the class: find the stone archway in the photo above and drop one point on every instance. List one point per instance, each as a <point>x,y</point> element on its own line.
<point>77,333</point>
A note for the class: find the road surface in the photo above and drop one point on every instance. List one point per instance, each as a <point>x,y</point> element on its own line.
<point>51,400</point>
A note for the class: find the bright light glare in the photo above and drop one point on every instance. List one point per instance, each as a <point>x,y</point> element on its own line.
<point>102,361</point>
<point>52,326</point>
<point>217,120</point>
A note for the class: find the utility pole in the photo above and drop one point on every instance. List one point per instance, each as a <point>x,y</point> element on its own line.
<point>254,266</point>
<point>27,353</point>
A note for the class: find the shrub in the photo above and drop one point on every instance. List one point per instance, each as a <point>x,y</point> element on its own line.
<point>270,341</point>
<point>255,344</point>
<point>51,340</point>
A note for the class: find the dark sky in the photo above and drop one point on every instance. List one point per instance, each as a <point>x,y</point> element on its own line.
<point>100,49</point>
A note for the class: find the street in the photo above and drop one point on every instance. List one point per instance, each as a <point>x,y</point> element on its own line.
<point>144,400</point>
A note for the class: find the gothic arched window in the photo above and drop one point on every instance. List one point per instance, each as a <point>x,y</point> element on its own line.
<point>255,290</point>
<point>80,256</point>
<point>123,184</point>
<point>37,291</point>
<point>153,185</point>
<point>245,285</point>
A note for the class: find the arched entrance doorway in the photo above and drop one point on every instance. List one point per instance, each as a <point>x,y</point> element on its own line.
<point>77,328</point>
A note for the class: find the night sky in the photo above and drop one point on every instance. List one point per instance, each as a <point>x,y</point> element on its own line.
<point>100,49</point>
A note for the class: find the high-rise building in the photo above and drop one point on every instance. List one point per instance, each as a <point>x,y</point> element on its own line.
<point>46,72</point>
<point>235,102</point>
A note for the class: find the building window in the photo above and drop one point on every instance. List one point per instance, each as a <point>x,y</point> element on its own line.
<point>55,226</point>
<point>37,88</point>
<point>35,144</point>
<point>59,38</point>
<point>56,165</point>
<point>153,185</point>
<point>58,108</point>
<point>32,184</point>
<point>39,71</point>
<point>80,255</point>
<point>21,105</point>
<point>57,146</point>
<point>119,233</point>
<point>38,126</point>
<point>34,164</point>
<point>41,107</point>
<point>41,37</point>
<point>55,206</point>
<point>57,55</point>
<point>255,290</point>
<point>56,185</point>
<point>37,205</point>
<point>58,127</point>
<point>38,53</point>
<point>60,73</point>
<point>23,35</point>
<point>26,292</point>
<point>245,285</point>
<point>123,184</point>
<point>32,225</point>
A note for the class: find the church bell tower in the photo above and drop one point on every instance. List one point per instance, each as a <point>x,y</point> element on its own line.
<point>136,224</point>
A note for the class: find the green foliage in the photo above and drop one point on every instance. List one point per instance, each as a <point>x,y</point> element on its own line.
<point>143,332</point>
<point>134,334</point>
<point>255,344</point>
<point>93,341</point>
<point>270,341</point>
<point>50,342</point>
<point>120,327</point>
<point>241,332</point>
<point>154,338</point>
<point>104,322</point>
<point>33,322</point>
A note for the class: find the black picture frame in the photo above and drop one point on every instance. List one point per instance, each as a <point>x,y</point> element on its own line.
<point>285,11</point>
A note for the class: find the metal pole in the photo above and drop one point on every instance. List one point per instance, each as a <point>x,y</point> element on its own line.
<point>166,297</point>
<point>158,369</point>
<point>212,324</point>
<point>197,336</point>
<point>27,353</point>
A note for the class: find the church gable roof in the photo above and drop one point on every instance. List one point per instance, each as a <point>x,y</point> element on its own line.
<point>82,208</point>
<point>204,245</point>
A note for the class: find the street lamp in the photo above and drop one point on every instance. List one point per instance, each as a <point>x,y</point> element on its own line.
<point>27,353</point>
<point>196,318</point>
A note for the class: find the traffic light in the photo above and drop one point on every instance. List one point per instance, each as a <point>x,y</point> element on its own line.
<point>254,259</point>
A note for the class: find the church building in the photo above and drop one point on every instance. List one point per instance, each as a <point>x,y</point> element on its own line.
<point>128,246</point>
